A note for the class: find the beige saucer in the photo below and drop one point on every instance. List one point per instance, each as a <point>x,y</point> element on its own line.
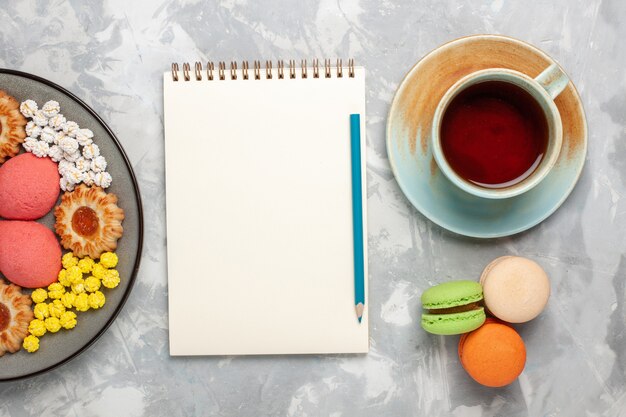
<point>409,140</point>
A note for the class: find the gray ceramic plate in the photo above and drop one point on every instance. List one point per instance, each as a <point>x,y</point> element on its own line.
<point>56,349</point>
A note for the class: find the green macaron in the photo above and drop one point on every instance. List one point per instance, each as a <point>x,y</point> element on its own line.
<point>453,308</point>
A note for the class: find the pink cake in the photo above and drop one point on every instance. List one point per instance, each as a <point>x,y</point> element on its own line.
<point>30,254</point>
<point>29,187</point>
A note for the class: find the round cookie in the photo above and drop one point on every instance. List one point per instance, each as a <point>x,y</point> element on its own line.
<point>12,122</point>
<point>30,254</point>
<point>515,289</point>
<point>29,187</point>
<point>494,355</point>
<point>453,308</point>
<point>490,266</point>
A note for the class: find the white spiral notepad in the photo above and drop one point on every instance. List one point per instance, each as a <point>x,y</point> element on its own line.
<point>259,208</point>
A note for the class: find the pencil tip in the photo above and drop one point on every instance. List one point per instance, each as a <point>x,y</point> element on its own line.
<point>359,311</point>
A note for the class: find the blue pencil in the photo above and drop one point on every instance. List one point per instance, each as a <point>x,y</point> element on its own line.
<point>357,215</point>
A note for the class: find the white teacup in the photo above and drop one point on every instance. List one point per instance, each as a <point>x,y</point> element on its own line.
<point>543,89</point>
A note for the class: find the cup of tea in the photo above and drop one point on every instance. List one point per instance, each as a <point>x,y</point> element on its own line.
<point>497,132</point>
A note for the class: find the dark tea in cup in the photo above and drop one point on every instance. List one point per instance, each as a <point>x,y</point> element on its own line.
<point>497,132</point>
<point>494,134</point>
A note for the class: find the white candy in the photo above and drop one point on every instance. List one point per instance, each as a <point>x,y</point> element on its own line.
<point>66,185</point>
<point>70,128</point>
<point>106,180</point>
<point>82,164</point>
<point>32,129</point>
<point>40,149</point>
<point>56,122</point>
<point>68,144</point>
<point>102,179</point>
<point>58,136</point>
<point>29,127</point>
<point>48,134</point>
<point>91,151</point>
<point>88,179</point>
<point>39,118</point>
<point>84,141</point>
<point>98,164</point>
<point>51,108</point>
<point>64,166</point>
<point>71,157</point>
<point>85,132</point>
<point>74,176</point>
<point>84,137</point>
<point>28,108</point>
<point>56,154</point>
<point>29,144</point>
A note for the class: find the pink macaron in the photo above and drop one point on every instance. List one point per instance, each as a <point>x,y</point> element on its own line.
<point>30,254</point>
<point>29,187</point>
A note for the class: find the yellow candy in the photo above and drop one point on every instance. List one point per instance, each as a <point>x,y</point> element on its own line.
<point>111,278</point>
<point>108,260</point>
<point>53,324</point>
<point>39,295</point>
<point>74,274</point>
<point>98,271</point>
<point>37,327</point>
<point>68,299</point>
<point>86,265</point>
<point>64,279</point>
<point>96,300</point>
<point>69,260</point>
<point>31,343</point>
<point>78,287</point>
<point>55,290</point>
<point>56,308</point>
<point>81,303</point>
<point>68,320</point>
<point>41,311</point>
<point>92,284</point>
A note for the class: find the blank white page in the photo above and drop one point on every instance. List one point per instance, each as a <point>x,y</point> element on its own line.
<point>259,214</point>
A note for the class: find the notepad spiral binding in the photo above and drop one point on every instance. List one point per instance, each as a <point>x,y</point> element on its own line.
<point>222,72</point>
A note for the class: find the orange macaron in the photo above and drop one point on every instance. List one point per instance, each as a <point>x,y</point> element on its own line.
<point>494,354</point>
